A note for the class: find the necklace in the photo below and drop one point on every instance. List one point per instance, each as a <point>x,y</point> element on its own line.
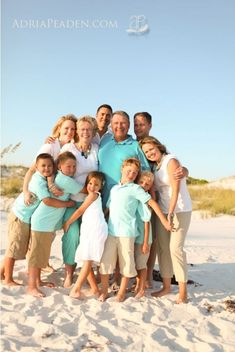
<point>84,153</point>
<point>160,162</point>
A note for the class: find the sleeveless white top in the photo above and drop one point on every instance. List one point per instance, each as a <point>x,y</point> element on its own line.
<point>162,185</point>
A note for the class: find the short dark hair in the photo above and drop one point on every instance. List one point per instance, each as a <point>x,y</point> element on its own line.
<point>44,156</point>
<point>104,106</point>
<point>144,114</point>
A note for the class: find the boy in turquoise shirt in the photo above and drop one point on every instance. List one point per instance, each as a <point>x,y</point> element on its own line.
<point>123,204</point>
<point>20,216</point>
<point>46,219</point>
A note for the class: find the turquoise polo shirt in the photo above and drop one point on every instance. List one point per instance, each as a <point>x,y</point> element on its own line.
<point>123,204</point>
<point>111,156</point>
<point>49,219</point>
<point>143,215</point>
<point>37,186</point>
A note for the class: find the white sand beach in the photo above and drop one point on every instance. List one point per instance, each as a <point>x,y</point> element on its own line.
<point>59,323</point>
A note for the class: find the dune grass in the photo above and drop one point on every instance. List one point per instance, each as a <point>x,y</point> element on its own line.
<point>11,187</point>
<point>215,200</point>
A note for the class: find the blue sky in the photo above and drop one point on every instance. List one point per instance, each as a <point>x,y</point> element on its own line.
<point>70,56</point>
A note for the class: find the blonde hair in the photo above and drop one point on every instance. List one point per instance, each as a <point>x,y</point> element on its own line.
<point>132,161</point>
<point>91,120</point>
<point>59,123</point>
<point>147,174</point>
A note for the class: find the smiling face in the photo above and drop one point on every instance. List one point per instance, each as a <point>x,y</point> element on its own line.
<point>67,131</point>
<point>94,185</point>
<point>85,132</point>
<point>68,167</point>
<point>45,167</point>
<point>145,182</point>
<point>103,118</point>
<point>151,152</point>
<point>129,173</point>
<point>141,127</point>
<point>120,126</point>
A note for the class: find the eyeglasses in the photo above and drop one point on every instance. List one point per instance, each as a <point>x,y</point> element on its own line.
<point>85,129</point>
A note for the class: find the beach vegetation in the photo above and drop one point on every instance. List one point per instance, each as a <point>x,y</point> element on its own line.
<point>215,200</point>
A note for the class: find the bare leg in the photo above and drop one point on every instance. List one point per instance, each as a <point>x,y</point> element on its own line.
<point>165,289</point>
<point>69,270</point>
<point>34,278</point>
<point>85,270</point>
<point>9,267</point>
<point>151,264</point>
<point>141,285</point>
<point>183,297</point>
<point>122,290</point>
<point>48,269</point>
<point>105,287</point>
<point>2,271</point>
<point>44,283</point>
<point>92,282</point>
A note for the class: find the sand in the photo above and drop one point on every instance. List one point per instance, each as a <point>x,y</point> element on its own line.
<point>60,323</point>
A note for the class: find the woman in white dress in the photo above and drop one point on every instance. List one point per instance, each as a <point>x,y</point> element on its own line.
<point>93,231</point>
<point>175,202</point>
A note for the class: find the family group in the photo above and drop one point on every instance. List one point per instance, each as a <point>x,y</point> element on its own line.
<point>121,201</point>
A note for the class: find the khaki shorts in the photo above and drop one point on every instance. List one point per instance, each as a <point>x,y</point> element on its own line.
<point>39,249</point>
<point>140,258</point>
<point>18,237</point>
<point>121,248</point>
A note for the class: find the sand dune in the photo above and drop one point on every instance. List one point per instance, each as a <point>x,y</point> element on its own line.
<point>59,323</point>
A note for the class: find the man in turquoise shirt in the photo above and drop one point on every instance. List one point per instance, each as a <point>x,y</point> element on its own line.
<point>116,148</point>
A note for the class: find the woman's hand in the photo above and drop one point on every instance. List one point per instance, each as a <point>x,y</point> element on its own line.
<point>50,140</point>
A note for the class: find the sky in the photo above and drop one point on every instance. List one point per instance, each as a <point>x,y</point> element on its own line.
<point>172,58</point>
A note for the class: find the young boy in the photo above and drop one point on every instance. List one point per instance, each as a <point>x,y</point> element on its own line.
<point>144,236</point>
<point>20,216</point>
<point>47,218</point>
<point>123,203</point>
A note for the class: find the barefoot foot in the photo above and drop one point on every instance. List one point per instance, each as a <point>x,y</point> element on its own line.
<point>47,284</point>
<point>148,284</point>
<point>77,295</point>
<point>180,300</point>
<point>140,294</point>
<point>12,283</point>
<point>68,281</point>
<point>48,269</point>
<point>162,292</point>
<point>103,296</point>
<point>120,298</point>
<point>35,292</point>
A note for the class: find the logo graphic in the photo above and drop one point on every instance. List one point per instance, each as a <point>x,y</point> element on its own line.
<point>138,25</point>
